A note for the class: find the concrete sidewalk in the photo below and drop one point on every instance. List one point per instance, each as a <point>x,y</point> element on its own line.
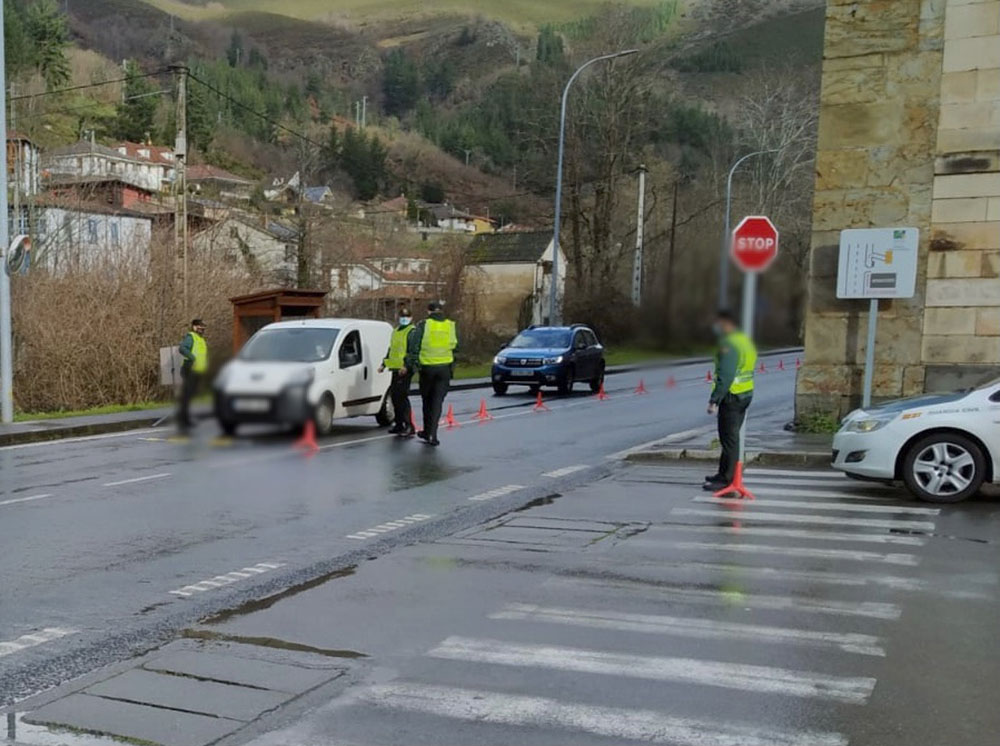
<point>78,426</point>
<point>768,442</point>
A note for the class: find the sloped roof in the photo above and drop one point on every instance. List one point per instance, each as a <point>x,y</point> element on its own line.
<point>316,193</point>
<point>508,248</point>
<point>84,147</point>
<point>205,171</point>
<point>159,153</point>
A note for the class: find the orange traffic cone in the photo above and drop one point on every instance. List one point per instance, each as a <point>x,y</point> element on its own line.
<point>540,405</point>
<point>308,439</point>
<point>781,365</point>
<point>602,395</point>
<point>798,363</point>
<point>483,414</point>
<point>641,388</point>
<point>413,423</point>
<point>708,377</point>
<point>737,485</point>
<point>449,419</point>
<point>763,368</point>
<point>671,383</point>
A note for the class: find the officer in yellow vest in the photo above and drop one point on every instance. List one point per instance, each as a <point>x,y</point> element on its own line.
<point>431,350</point>
<point>194,354</point>
<point>735,360</point>
<point>402,376</point>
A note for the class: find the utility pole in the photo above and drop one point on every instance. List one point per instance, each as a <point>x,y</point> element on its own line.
<point>17,162</point>
<point>640,224</point>
<point>6,337</point>
<point>670,257</point>
<point>357,114</point>
<point>364,112</point>
<point>180,182</point>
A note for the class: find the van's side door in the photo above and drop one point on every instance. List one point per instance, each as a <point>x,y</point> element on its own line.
<point>355,371</point>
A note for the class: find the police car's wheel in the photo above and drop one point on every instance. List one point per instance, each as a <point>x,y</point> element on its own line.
<point>944,468</point>
<point>387,413</point>
<point>323,416</point>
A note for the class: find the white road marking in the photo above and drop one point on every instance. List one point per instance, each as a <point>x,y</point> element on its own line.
<point>498,492</point>
<point>750,678</point>
<point>220,580</point>
<point>797,533</point>
<point>384,528</point>
<point>770,489</point>
<point>136,479</point>
<point>619,724</point>
<point>672,438</point>
<point>18,500</point>
<point>36,638</point>
<point>821,482</point>
<point>810,576</point>
<point>820,520</point>
<point>852,507</point>
<point>850,642</point>
<point>565,471</point>
<point>80,439</point>
<point>870,609</point>
<point>824,473</point>
<point>906,560</point>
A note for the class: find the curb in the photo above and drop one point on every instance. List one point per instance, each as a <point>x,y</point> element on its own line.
<point>117,426</point>
<point>811,459</point>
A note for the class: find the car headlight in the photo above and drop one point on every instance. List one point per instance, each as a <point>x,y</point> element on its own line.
<point>553,360</point>
<point>866,424</point>
<point>499,360</point>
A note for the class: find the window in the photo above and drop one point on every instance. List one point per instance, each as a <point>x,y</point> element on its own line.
<point>580,341</point>
<point>234,232</point>
<point>43,226</point>
<point>114,234</point>
<point>590,337</point>
<point>92,230</point>
<point>350,350</point>
<point>542,339</point>
<point>290,345</point>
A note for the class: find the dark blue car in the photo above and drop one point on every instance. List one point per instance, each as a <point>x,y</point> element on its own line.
<point>557,356</point>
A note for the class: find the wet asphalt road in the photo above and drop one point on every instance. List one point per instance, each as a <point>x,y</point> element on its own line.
<point>111,544</point>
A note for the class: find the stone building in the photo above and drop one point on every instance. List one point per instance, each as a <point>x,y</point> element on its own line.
<point>909,135</point>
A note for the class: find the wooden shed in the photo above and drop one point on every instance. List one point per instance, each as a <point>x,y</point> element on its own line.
<point>251,312</point>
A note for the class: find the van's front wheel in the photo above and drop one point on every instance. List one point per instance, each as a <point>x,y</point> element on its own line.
<point>387,414</point>
<point>323,415</point>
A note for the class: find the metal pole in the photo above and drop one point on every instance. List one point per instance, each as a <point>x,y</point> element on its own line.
<point>866,398</point>
<point>6,335</point>
<point>749,301</point>
<point>640,221</point>
<point>180,181</point>
<point>554,285</point>
<point>726,237</point>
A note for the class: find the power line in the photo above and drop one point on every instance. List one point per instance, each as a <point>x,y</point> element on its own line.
<point>87,85</point>
<point>251,110</point>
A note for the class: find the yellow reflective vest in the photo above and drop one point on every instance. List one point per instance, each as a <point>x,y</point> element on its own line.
<point>438,343</point>
<point>743,382</point>
<point>397,347</point>
<point>199,353</point>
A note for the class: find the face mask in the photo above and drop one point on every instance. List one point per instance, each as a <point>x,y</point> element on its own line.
<point>404,320</point>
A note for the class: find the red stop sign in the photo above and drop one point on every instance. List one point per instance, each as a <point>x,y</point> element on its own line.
<point>755,243</point>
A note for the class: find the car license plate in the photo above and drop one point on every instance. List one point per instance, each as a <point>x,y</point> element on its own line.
<point>251,405</point>
<point>524,373</point>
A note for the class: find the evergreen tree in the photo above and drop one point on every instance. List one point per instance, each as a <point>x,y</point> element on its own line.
<point>400,84</point>
<point>257,60</point>
<point>49,34</point>
<point>135,115</point>
<point>550,46</point>
<point>331,150</point>
<point>363,159</point>
<point>235,52</point>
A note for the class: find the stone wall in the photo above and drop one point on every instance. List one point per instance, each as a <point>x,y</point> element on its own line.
<point>909,136</point>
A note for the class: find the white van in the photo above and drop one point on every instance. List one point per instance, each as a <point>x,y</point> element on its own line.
<point>319,369</point>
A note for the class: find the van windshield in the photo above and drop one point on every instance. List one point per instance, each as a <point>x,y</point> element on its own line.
<point>548,339</point>
<point>292,345</point>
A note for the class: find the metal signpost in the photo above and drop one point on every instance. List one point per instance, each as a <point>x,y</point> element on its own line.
<point>754,247</point>
<point>6,342</point>
<point>876,263</point>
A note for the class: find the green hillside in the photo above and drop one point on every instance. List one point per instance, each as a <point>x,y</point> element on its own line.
<point>516,12</point>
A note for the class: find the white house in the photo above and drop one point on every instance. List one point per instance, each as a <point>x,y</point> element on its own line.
<point>511,274</point>
<point>69,238</point>
<point>269,249</point>
<point>86,160</point>
<point>389,276</point>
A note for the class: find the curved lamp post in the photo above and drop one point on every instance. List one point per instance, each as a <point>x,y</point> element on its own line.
<point>559,172</point>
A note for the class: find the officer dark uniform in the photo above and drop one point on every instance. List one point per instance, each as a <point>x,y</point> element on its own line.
<point>431,350</point>
<point>194,353</point>
<point>402,375</point>
<point>735,361</point>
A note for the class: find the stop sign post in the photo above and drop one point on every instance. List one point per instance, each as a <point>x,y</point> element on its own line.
<point>754,247</point>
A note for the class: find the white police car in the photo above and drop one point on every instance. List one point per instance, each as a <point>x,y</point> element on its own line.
<point>943,447</point>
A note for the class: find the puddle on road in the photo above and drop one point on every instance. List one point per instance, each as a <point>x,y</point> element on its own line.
<point>270,642</point>
<point>539,502</point>
<point>421,472</point>
<point>22,732</point>
<point>267,602</point>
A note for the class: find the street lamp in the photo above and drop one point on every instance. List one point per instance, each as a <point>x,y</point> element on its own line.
<point>559,171</point>
<point>724,254</point>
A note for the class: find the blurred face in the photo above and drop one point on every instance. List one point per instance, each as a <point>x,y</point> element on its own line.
<point>405,317</point>
<point>721,327</point>
<point>200,329</point>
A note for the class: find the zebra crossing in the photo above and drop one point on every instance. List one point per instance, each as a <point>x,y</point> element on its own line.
<point>794,605</point>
